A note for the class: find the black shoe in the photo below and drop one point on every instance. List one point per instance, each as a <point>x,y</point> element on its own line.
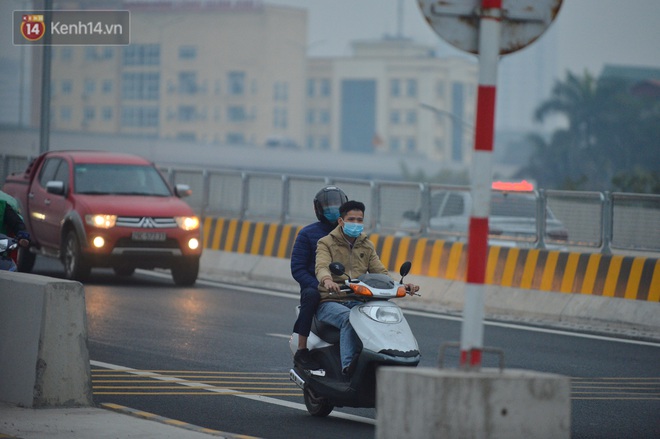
<point>348,370</point>
<point>304,359</point>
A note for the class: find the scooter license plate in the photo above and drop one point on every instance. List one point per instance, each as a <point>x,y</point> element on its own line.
<point>148,236</point>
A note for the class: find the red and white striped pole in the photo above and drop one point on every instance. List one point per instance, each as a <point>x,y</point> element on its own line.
<point>473,313</point>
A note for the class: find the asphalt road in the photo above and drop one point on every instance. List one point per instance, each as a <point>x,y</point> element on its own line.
<point>216,356</point>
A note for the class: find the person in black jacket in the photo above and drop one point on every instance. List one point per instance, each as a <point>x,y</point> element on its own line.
<point>11,224</point>
<point>303,262</point>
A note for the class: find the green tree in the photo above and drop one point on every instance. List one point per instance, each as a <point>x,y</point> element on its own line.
<point>611,133</point>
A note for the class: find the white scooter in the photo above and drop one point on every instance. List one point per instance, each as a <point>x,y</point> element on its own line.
<point>384,334</point>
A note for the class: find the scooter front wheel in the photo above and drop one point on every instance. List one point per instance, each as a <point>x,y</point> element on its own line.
<point>317,406</point>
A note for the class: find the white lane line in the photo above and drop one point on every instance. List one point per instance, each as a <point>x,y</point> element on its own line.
<point>537,329</point>
<point>210,388</point>
<point>279,335</point>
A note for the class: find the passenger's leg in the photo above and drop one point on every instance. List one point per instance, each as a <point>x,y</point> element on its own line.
<point>309,301</point>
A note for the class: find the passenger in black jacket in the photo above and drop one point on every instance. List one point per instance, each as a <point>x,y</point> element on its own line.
<point>303,262</point>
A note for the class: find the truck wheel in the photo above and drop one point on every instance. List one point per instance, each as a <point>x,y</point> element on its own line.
<point>72,258</point>
<point>184,272</point>
<point>319,407</point>
<point>25,260</point>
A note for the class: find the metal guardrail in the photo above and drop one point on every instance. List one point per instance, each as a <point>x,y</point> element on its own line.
<point>602,221</point>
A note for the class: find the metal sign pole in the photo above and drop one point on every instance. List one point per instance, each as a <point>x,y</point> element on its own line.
<point>489,48</point>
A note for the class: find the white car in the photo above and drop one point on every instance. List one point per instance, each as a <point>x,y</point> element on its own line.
<point>512,220</point>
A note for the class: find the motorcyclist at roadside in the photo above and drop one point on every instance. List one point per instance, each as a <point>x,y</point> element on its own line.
<point>11,224</point>
<point>303,261</point>
<point>348,245</point>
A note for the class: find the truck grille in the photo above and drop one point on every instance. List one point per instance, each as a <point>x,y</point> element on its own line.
<point>145,222</point>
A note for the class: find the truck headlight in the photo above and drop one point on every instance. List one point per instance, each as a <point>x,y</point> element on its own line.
<point>101,221</point>
<point>187,222</point>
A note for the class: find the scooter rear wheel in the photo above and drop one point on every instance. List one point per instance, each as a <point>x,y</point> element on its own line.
<point>317,406</point>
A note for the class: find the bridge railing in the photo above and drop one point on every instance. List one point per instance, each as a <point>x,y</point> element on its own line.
<point>601,221</point>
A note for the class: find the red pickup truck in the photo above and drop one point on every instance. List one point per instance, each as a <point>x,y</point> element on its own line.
<point>102,209</point>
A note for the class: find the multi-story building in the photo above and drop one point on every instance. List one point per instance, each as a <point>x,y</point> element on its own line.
<point>392,96</point>
<point>236,72</point>
<point>213,71</point>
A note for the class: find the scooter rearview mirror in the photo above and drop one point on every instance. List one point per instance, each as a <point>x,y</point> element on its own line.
<point>404,270</point>
<point>337,268</point>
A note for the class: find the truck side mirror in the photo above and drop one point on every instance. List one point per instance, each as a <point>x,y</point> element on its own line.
<point>55,187</point>
<point>182,190</point>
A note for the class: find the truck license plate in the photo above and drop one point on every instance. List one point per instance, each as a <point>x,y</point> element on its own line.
<point>148,236</point>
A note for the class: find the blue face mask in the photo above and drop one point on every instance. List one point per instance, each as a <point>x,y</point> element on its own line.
<point>331,214</point>
<point>353,229</point>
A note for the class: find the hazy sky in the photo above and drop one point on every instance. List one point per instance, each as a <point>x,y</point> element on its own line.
<point>592,32</point>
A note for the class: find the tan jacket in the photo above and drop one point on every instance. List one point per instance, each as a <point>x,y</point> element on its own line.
<point>359,259</point>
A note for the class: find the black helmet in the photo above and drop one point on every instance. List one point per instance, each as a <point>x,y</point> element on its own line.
<point>326,198</point>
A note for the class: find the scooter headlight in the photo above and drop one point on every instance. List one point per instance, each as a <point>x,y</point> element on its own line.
<point>382,314</point>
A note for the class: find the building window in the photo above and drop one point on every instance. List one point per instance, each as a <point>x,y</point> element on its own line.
<point>186,136</point>
<point>235,138</point>
<point>143,117</point>
<point>325,143</point>
<point>186,113</point>
<point>311,117</point>
<point>236,113</point>
<point>411,144</point>
<point>324,117</point>
<point>141,55</point>
<point>106,86</point>
<point>89,113</point>
<point>395,88</point>
<point>66,53</point>
<point>67,87</point>
<point>90,86</point>
<point>187,52</point>
<point>395,117</point>
<point>411,88</point>
<point>395,144</point>
<point>411,117</point>
<point>140,86</point>
<point>325,87</point>
<point>187,83</point>
<point>280,91</point>
<point>66,114</point>
<point>280,118</point>
<point>107,113</point>
<point>236,83</point>
<point>90,53</point>
<point>310,142</point>
<point>108,53</point>
<point>311,88</point>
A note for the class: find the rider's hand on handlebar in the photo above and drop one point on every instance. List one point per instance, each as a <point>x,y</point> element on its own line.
<point>330,285</point>
<point>411,289</point>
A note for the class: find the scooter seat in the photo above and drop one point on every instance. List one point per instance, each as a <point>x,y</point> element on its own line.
<point>325,331</point>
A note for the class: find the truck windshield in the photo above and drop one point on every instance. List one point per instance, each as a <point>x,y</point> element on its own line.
<point>117,179</point>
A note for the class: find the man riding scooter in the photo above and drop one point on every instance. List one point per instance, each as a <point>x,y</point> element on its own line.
<point>347,245</point>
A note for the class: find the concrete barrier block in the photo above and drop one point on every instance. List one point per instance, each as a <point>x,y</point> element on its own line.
<point>44,360</point>
<point>491,404</point>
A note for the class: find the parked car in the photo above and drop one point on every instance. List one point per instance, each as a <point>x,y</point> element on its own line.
<point>102,209</point>
<point>512,220</point>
